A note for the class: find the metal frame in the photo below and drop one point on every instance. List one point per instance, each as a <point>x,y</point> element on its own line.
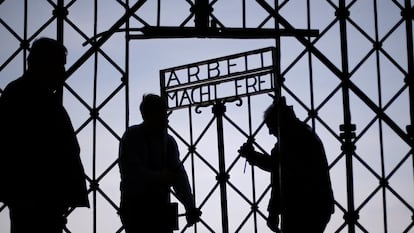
<point>207,24</point>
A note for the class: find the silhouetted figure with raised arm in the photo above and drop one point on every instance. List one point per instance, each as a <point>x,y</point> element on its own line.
<point>149,165</point>
<point>301,187</point>
<point>41,174</point>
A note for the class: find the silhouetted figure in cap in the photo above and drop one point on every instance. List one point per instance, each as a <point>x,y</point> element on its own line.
<point>41,174</point>
<point>149,165</point>
<point>301,187</point>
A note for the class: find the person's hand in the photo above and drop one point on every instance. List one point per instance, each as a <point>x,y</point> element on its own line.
<point>246,150</point>
<point>193,216</point>
<point>273,222</point>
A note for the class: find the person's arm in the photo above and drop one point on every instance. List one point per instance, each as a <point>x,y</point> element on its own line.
<point>274,207</point>
<point>127,161</point>
<point>255,158</point>
<point>181,184</point>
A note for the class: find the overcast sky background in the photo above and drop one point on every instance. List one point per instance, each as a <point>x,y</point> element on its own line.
<point>148,57</point>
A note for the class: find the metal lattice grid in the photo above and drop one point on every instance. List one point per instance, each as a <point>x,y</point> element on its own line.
<point>351,82</point>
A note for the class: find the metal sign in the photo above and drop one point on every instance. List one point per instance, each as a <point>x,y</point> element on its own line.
<point>203,83</point>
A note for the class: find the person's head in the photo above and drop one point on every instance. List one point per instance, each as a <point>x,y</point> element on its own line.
<point>46,61</point>
<point>154,112</point>
<point>278,109</point>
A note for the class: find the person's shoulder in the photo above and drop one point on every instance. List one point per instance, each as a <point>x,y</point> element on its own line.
<point>14,89</point>
<point>135,127</point>
<point>13,85</point>
<point>171,139</point>
<point>311,134</point>
<point>134,130</point>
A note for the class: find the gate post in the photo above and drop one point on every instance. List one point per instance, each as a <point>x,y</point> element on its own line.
<point>218,110</point>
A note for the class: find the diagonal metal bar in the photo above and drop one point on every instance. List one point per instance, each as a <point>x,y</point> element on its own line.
<point>76,28</point>
<point>246,199</point>
<point>105,36</point>
<point>411,226</point>
<point>380,113</point>
<point>111,96</point>
<point>2,207</point>
<point>212,190</point>
<point>300,38</point>
<point>107,127</point>
<point>206,226</point>
<point>337,72</point>
<point>78,97</point>
<point>398,166</point>
<point>108,169</point>
<point>10,30</point>
<point>108,199</point>
<point>244,221</point>
<point>400,198</point>
<point>10,58</point>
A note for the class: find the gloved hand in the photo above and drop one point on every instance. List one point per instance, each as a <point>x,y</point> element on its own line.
<point>193,216</point>
<point>246,150</point>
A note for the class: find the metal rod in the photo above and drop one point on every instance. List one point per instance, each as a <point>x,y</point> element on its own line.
<point>218,109</point>
<point>104,37</point>
<point>347,128</point>
<point>150,32</point>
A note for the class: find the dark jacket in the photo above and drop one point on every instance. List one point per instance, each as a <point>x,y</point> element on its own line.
<point>39,151</point>
<point>305,186</point>
<point>144,156</point>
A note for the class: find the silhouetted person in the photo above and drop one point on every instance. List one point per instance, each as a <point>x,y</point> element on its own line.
<point>41,174</point>
<point>303,196</point>
<point>149,165</point>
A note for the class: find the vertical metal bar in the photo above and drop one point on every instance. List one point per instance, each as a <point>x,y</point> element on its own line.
<point>60,21</point>
<point>410,55</point>
<point>159,13</point>
<point>378,61</point>
<point>410,67</point>
<point>218,109</point>
<point>125,79</point>
<point>312,112</point>
<point>276,55</point>
<point>381,138</point>
<point>162,86</point>
<point>202,14</point>
<point>26,43</point>
<point>192,151</point>
<point>278,81</point>
<point>251,137</point>
<point>59,35</point>
<point>347,128</point>
<point>244,13</point>
<point>94,115</point>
